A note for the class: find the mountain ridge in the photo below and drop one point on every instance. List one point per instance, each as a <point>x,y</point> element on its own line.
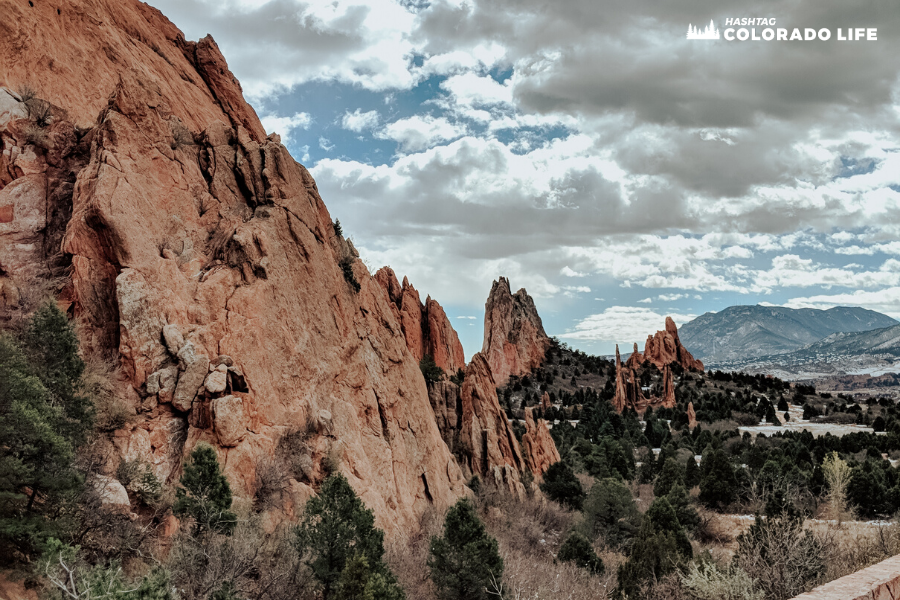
<point>748,331</point>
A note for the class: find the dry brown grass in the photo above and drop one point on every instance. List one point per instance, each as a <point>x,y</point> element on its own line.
<point>856,545</point>
<point>529,533</point>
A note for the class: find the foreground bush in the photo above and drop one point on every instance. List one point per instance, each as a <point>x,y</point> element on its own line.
<point>204,494</point>
<point>577,549</point>
<point>338,533</point>
<point>44,417</point>
<point>464,562</point>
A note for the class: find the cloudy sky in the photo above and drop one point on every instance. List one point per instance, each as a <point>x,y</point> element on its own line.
<point>588,151</point>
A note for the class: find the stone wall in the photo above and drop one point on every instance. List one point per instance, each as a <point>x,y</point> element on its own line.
<point>878,582</point>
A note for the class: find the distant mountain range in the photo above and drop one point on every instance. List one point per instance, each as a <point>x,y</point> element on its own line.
<point>742,333</point>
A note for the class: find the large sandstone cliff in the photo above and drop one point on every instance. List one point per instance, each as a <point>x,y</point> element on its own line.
<point>514,339</point>
<point>201,254</point>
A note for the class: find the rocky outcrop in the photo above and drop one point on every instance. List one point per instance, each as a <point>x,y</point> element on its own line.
<point>661,350</point>
<point>664,348</point>
<point>545,401</point>
<point>691,415</point>
<point>478,432</point>
<point>425,326</point>
<point>636,359</point>
<point>537,445</point>
<point>486,443</point>
<point>630,394</point>
<point>514,339</point>
<point>628,387</point>
<point>196,243</point>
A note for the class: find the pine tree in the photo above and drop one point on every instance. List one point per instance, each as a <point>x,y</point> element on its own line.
<point>718,484</point>
<point>671,474</point>
<point>465,560</point>
<point>43,419</point>
<point>204,494</point>
<point>52,349</point>
<point>683,507</point>
<point>578,549</point>
<point>691,472</point>
<point>610,511</point>
<point>358,582</point>
<point>660,547</point>
<point>336,526</point>
<point>561,485</point>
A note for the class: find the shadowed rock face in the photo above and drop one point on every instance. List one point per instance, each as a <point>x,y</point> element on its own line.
<point>514,339</point>
<point>202,254</point>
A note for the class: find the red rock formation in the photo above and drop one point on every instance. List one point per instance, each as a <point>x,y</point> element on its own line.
<point>668,395</point>
<point>545,401</point>
<point>196,244</point>
<point>425,326</point>
<point>87,44</point>
<point>628,387</point>
<point>514,337</point>
<point>661,350</point>
<point>629,393</point>
<point>486,438</point>
<point>691,415</point>
<point>636,359</point>
<point>477,431</point>
<point>664,348</point>
<point>537,444</point>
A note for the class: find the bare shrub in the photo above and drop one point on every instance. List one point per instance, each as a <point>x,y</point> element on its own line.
<point>528,577</point>
<point>667,588</point>
<point>784,559</point>
<point>39,111</point>
<point>104,534</point>
<point>713,529</point>
<point>181,135</point>
<point>36,136</point>
<point>706,581</point>
<point>406,558</point>
<point>101,382</point>
<point>271,481</point>
<point>259,565</point>
<point>26,93</point>
<point>837,474</point>
<point>531,526</point>
<point>853,546</point>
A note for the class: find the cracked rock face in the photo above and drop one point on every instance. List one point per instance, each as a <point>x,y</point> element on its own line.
<point>190,236</point>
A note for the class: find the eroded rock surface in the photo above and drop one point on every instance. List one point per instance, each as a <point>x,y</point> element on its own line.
<point>192,238</point>
<point>514,339</point>
<point>537,445</point>
<point>664,348</point>
<point>425,326</point>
